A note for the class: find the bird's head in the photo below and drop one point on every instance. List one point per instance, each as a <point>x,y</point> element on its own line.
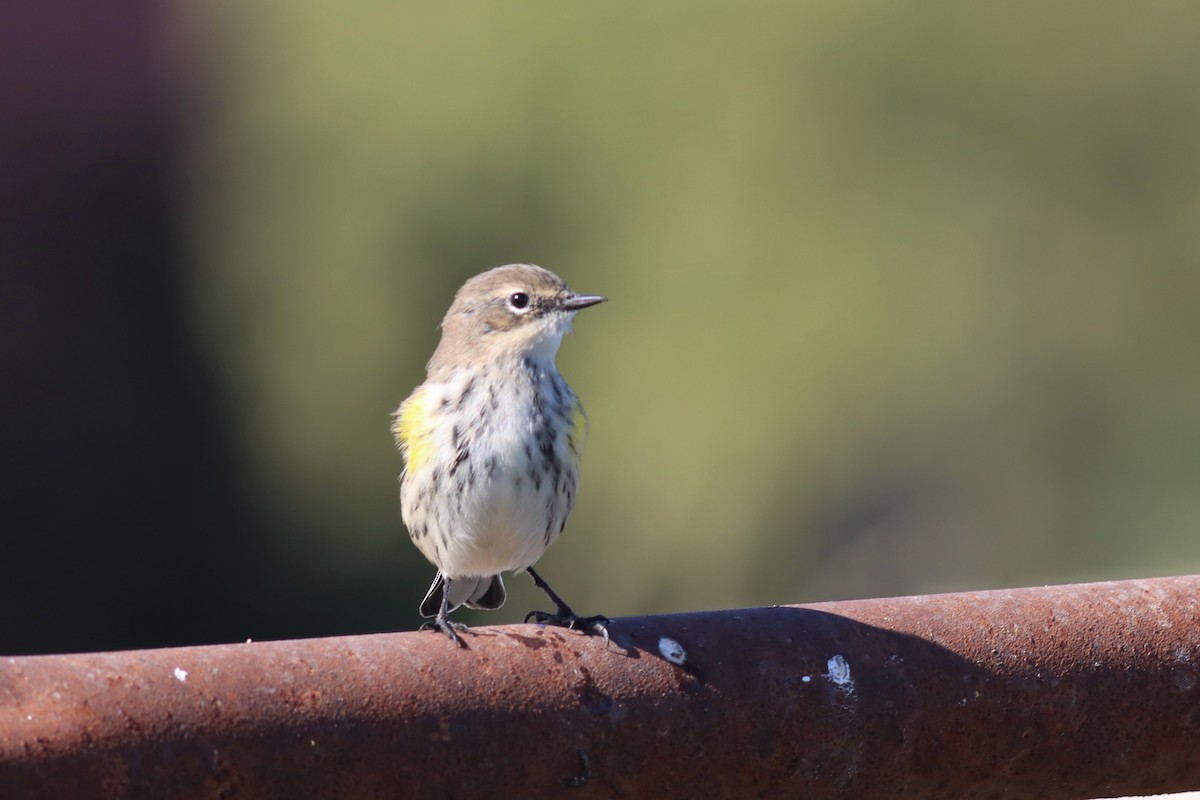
<point>519,310</point>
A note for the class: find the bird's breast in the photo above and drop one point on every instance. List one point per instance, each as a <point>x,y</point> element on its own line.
<point>505,463</point>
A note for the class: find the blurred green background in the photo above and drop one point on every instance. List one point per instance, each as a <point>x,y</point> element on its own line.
<point>903,299</point>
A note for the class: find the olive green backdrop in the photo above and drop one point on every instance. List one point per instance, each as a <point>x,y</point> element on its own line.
<point>903,296</point>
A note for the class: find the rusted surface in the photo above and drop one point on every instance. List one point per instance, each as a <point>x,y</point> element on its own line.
<point>1061,692</point>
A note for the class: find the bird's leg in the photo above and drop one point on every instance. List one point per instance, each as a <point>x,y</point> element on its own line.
<point>443,622</point>
<point>564,617</point>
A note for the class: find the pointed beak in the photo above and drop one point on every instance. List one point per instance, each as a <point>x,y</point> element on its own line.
<point>578,301</point>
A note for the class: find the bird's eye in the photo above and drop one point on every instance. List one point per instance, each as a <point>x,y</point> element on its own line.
<point>519,301</point>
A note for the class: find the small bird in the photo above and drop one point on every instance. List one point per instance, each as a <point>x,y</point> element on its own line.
<point>492,443</point>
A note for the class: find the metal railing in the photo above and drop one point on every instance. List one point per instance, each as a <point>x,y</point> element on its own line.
<point>1080,691</point>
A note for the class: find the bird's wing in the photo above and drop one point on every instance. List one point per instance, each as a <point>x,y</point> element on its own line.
<point>577,436</point>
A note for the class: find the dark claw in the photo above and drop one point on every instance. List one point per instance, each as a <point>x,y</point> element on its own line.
<point>564,617</point>
<point>593,626</point>
<point>448,627</point>
<point>442,620</point>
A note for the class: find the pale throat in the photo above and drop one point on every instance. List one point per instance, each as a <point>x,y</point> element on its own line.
<point>543,349</point>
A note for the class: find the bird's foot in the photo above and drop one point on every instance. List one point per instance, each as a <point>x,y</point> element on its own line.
<point>564,617</point>
<point>448,627</point>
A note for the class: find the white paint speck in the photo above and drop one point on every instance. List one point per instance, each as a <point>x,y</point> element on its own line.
<point>839,673</point>
<point>181,674</point>
<point>672,650</point>
<point>806,679</point>
<point>29,717</point>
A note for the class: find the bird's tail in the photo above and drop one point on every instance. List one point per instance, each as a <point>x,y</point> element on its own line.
<point>485,592</point>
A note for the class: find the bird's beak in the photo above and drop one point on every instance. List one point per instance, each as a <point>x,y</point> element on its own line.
<point>578,301</point>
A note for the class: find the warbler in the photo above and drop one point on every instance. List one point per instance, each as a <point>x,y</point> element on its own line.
<point>491,443</point>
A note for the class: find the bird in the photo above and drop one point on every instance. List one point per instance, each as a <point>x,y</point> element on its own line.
<point>492,442</point>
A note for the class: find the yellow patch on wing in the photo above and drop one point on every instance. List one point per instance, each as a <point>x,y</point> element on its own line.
<point>413,428</point>
<point>577,438</point>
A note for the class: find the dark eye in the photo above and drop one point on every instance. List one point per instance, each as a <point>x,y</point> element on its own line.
<point>519,300</point>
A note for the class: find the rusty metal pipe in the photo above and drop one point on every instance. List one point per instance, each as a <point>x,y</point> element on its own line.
<point>1059,692</point>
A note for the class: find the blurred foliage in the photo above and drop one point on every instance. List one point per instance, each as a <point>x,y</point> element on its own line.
<point>903,297</point>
